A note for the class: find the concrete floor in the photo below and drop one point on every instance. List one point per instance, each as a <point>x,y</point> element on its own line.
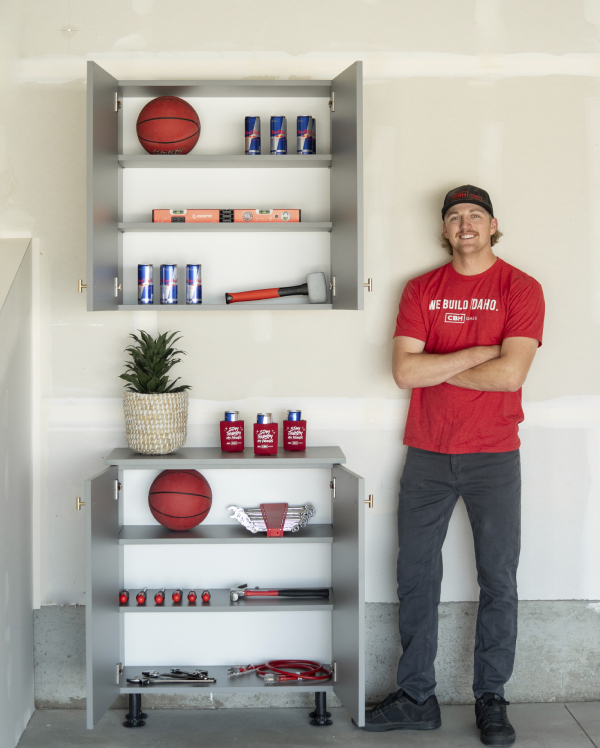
<point>538,726</point>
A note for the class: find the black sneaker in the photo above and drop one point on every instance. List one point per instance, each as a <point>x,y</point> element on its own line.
<point>492,720</point>
<point>399,713</point>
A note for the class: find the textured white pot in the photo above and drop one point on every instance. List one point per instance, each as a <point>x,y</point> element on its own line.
<point>155,424</point>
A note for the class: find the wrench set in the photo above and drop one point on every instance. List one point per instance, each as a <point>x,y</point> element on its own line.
<point>160,596</point>
<point>274,519</point>
<point>176,675</point>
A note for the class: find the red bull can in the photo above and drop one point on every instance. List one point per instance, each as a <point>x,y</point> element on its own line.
<point>304,133</point>
<point>313,138</point>
<point>145,284</point>
<point>252,136</point>
<point>193,284</point>
<point>278,136</point>
<point>168,284</point>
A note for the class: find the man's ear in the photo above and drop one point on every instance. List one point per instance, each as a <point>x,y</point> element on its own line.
<point>493,226</point>
<point>444,229</point>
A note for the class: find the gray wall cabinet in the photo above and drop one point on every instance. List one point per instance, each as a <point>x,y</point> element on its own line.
<point>108,537</point>
<point>111,266</point>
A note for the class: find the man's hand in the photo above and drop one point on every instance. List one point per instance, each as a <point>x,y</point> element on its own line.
<point>507,373</point>
<point>412,367</point>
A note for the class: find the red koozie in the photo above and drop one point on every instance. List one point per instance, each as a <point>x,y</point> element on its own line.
<point>294,436</point>
<point>266,435</point>
<point>232,432</point>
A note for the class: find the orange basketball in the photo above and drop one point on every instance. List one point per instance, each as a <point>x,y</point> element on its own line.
<point>168,125</point>
<point>180,499</point>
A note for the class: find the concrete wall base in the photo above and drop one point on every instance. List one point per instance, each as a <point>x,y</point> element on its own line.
<point>558,658</point>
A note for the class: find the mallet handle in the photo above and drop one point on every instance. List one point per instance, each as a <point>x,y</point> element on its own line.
<point>267,293</point>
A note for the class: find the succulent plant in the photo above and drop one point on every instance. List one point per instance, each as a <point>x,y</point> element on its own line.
<point>151,361</point>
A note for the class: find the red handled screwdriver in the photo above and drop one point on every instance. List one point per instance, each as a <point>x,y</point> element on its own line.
<point>141,596</point>
<point>177,595</point>
<point>192,597</point>
<point>124,597</point>
<point>206,596</point>
<point>159,598</point>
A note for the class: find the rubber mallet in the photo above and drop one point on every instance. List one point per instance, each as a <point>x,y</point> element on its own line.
<point>315,288</point>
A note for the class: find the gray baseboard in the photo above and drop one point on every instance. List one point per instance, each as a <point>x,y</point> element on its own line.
<point>558,658</point>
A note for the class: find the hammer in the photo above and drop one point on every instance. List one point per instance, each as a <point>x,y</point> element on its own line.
<point>315,288</point>
<point>242,591</point>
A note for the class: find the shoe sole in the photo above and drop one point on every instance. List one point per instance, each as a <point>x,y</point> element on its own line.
<point>431,725</point>
<point>498,741</point>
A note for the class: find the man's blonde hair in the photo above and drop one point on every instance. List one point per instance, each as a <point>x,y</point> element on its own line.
<point>448,247</point>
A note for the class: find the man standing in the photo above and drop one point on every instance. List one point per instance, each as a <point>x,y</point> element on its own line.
<point>465,337</point>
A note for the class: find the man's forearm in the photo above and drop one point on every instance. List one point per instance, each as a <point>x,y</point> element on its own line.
<point>429,369</point>
<point>492,376</point>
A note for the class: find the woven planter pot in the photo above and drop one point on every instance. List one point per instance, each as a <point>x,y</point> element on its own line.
<point>155,424</point>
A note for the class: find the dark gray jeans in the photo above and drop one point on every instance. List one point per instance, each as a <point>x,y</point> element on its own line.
<point>490,484</point>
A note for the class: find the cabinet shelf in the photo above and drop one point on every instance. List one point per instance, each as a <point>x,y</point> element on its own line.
<point>219,535</point>
<point>275,228</point>
<point>248,683</point>
<point>220,603</point>
<point>212,457</point>
<point>233,161</point>
<point>238,307</point>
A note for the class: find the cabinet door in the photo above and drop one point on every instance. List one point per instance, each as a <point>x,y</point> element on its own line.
<point>348,578</point>
<point>101,600</point>
<point>346,201</point>
<point>102,189</point>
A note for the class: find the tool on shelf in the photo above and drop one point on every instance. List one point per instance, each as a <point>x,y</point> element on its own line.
<point>175,676</point>
<point>141,596</point>
<point>192,597</point>
<point>124,597</point>
<point>315,288</point>
<point>206,596</point>
<point>177,596</point>
<point>274,519</point>
<point>242,590</point>
<point>276,671</point>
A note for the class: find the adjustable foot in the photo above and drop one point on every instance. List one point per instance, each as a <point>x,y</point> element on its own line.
<point>320,715</point>
<point>136,716</point>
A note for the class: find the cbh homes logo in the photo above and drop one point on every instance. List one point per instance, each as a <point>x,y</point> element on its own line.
<point>450,317</point>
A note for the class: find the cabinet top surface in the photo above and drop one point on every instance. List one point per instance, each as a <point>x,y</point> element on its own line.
<point>313,457</point>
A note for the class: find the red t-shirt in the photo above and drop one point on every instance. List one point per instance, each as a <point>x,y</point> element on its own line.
<point>449,312</point>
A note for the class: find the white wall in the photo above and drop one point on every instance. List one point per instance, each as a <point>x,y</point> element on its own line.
<point>504,95</point>
<point>16,608</point>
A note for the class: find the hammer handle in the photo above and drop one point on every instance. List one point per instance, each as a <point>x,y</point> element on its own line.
<point>323,592</point>
<point>267,293</point>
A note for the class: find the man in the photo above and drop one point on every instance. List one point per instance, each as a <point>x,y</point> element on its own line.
<point>465,337</point>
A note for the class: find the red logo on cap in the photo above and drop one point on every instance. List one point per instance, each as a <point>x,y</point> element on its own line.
<point>469,195</point>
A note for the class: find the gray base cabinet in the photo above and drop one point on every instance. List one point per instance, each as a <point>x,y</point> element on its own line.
<point>107,537</point>
<point>112,150</point>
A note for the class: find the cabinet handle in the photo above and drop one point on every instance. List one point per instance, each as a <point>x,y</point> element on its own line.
<point>81,285</point>
<point>369,284</point>
<point>369,501</point>
<point>80,503</point>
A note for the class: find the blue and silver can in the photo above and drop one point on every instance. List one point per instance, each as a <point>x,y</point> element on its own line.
<point>313,138</point>
<point>252,136</point>
<point>304,133</point>
<point>264,418</point>
<point>294,415</point>
<point>145,284</point>
<point>193,284</point>
<point>278,136</point>
<point>168,284</point>
<point>232,415</point>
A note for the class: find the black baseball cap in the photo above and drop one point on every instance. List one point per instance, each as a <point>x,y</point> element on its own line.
<point>467,193</point>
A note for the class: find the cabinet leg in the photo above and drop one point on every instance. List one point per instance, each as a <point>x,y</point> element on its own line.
<point>320,715</point>
<point>136,716</point>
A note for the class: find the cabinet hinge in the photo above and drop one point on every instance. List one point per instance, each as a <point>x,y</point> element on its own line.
<point>119,672</point>
<point>332,102</point>
<point>117,287</point>
<point>117,489</point>
<point>334,672</point>
<point>332,486</point>
<point>332,286</point>
<point>117,101</point>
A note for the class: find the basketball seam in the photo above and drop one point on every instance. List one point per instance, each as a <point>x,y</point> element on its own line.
<point>181,493</point>
<point>151,119</point>
<point>176,516</point>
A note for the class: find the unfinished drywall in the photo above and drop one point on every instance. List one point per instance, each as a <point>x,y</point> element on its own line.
<point>504,95</point>
<point>16,599</point>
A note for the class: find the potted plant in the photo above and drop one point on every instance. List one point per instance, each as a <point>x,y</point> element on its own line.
<point>156,410</point>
